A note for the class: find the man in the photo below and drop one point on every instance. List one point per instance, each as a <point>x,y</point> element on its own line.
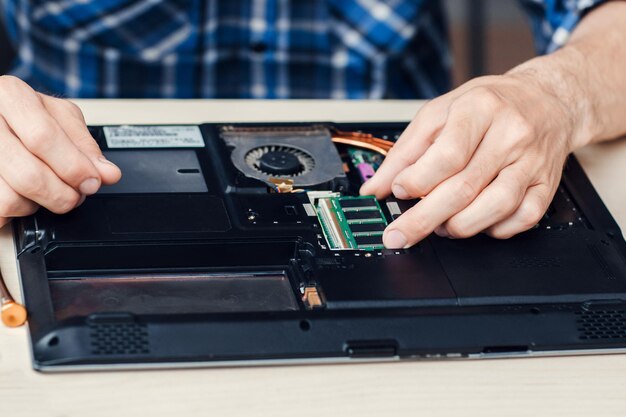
<point>485,157</point>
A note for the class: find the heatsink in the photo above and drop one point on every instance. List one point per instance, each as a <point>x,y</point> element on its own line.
<point>304,154</point>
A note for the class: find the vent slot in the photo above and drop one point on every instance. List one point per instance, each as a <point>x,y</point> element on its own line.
<point>597,253</point>
<point>119,339</point>
<point>601,324</point>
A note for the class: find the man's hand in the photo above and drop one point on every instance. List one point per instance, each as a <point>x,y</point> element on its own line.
<point>486,157</point>
<point>47,155</point>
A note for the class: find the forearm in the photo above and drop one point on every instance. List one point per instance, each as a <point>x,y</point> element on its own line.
<point>589,74</point>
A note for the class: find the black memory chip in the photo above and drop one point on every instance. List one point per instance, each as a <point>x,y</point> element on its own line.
<point>368,240</point>
<point>362,215</point>
<point>357,203</point>
<point>367,227</point>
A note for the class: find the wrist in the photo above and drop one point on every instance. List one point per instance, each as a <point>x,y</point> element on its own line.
<point>562,75</point>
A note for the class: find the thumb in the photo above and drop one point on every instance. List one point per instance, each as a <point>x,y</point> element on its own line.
<point>71,119</point>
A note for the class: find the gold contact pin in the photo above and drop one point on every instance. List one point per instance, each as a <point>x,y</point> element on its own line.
<point>311,298</point>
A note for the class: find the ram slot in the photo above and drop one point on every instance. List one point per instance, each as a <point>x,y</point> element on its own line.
<point>332,225</point>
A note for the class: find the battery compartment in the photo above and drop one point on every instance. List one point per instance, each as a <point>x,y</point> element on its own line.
<point>166,278</point>
<point>173,293</point>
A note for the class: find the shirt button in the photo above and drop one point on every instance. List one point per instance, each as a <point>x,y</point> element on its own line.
<point>258,47</point>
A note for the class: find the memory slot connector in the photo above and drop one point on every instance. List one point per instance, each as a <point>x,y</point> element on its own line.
<point>334,225</point>
<point>351,222</point>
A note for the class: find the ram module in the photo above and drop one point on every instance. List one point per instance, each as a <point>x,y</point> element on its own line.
<point>352,222</point>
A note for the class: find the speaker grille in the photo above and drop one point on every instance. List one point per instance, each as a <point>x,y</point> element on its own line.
<point>119,339</point>
<point>602,324</point>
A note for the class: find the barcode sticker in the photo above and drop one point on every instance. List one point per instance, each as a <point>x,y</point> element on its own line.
<point>153,137</point>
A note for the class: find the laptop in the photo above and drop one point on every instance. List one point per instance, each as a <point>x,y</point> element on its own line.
<point>248,244</point>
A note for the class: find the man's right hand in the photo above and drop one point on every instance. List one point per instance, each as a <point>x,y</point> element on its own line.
<point>47,155</point>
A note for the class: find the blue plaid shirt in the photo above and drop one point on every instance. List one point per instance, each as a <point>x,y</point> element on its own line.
<point>248,49</point>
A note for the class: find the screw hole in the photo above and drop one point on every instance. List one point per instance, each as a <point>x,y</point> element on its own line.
<point>305,325</point>
<point>54,341</point>
<point>535,310</point>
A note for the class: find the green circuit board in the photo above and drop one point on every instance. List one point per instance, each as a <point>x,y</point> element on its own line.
<point>354,223</point>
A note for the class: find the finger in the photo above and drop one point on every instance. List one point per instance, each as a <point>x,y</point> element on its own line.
<point>43,136</point>
<point>413,142</point>
<point>462,133</point>
<point>76,129</point>
<point>417,138</point>
<point>13,204</point>
<point>447,199</point>
<point>494,204</point>
<point>528,214</point>
<point>30,177</point>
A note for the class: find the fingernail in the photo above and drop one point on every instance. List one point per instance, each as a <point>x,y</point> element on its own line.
<point>441,231</point>
<point>106,161</point>
<point>394,239</point>
<point>399,192</point>
<point>89,186</point>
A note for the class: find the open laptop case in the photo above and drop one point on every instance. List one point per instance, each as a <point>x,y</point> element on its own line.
<point>248,244</point>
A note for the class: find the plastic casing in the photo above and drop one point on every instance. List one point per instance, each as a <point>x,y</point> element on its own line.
<point>559,288</point>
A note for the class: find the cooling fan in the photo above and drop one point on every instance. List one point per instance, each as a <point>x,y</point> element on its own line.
<point>305,155</point>
<point>280,161</point>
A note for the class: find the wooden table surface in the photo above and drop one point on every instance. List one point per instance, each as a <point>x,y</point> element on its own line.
<point>567,386</point>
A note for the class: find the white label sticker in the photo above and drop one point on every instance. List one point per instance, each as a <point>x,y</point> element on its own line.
<point>153,136</point>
